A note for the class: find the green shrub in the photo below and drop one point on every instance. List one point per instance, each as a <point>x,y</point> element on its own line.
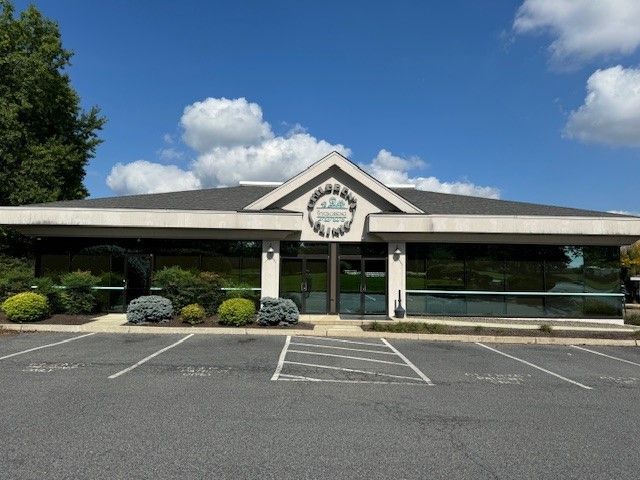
<point>184,287</point>
<point>150,308</point>
<point>408,327</point>
<point>278,311</point>
<point>45,286</point>
<point>26,307</point>
<point>16,275</point>
<point>193,314</point>
<point>241,290</point>
<point>236,312</point>
<point>78,296</point>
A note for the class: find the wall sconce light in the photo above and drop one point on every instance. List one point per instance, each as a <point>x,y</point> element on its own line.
<point>397,251</point>
<point>270,250</point>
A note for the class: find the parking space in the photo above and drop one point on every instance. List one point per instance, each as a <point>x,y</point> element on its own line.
<point>577,365</point>
<point>12,345</point>
<point>96,355</point>
<point>323,359</point>
<point>301,400</point>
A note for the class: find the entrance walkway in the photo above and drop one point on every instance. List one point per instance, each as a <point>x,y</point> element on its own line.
<point>110,320</point>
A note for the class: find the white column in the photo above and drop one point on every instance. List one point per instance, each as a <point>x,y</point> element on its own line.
<point>270,277</point>
<point>396,276</point>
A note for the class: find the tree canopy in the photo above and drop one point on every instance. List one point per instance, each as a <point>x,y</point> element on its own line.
<point>630,258</point>
<point>46,139</point>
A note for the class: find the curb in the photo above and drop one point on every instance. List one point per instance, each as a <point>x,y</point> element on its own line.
<point>328,333</point>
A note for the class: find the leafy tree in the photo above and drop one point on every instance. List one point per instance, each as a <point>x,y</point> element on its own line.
<point>46,139</point>
<point>630,258</point>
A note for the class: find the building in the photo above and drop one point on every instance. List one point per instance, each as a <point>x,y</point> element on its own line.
<point>338,241</point>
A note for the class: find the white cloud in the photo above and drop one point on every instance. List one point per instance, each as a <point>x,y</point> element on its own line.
<point>223,122</point>
<point>147,177</point>
<point>624,212</point>
<point>275,159</point>
<point>391,169</point>
<point>170,154</point>
<point>611,110</point>
<point>583,29</point>
<point>235,143</point>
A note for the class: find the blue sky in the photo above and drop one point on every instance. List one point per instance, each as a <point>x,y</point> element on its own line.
<point>448,95</point>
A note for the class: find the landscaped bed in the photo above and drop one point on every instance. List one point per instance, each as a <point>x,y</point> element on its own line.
<point>213,321</point>
<point>543,331</point>
<point>57,319</point>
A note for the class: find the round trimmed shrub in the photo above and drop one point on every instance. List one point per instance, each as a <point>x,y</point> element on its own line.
<point>26,307</point>
<point>193,314</point>
<point>236,312</point>
<point>278,312</point>
<point>150,308</point>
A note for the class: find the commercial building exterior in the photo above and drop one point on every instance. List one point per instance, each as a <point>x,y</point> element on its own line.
<point>337,241</point>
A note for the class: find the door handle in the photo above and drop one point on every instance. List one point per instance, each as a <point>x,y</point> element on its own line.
<point>303,286</point>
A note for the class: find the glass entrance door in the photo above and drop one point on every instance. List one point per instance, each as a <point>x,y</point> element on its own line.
<point>304,280</point>
<point>351,286</point>
<point>138,276</point>
<point>363,286</point>
<point>375,286</point>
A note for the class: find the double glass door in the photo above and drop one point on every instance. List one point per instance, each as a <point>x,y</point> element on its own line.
<point>304,280</point>
<point>363,286</point>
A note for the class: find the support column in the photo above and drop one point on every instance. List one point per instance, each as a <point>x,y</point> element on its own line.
<point>396,276</point>
<point>270,272</point>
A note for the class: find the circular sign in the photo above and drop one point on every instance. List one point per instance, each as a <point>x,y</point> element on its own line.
<point>331,210</point>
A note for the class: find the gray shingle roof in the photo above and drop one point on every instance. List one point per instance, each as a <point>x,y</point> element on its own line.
<point>449,204</point>
<point>236,198</point>
<point>221,199</point>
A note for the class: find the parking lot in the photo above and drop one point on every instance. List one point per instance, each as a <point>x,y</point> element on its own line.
<point>205,406</point>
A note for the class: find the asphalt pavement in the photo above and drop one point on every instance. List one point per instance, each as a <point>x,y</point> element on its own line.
<point>118,406</point>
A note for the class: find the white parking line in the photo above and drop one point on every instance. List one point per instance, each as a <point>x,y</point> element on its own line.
<point>322,354</point>
<point>48,345</point>
<point>345,341</point>
<point>535,366</point>
<point>146,359</point>
<point>607,356</point>
<point>299,378</point>
<point>350,370</point>
<point>286,376</point>
<point>408,362</point>
<point>283,354</point>
<point>316,345</point>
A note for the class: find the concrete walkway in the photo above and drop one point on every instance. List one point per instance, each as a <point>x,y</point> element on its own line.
<point>110,320</point>
<point>114,323</point>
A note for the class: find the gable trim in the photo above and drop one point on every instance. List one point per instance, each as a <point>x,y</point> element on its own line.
<point>351,169</point>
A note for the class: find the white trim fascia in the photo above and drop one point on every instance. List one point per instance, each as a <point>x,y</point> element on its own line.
<point>259,183</point>
<point>149,218</point>
<point>333,159</point>
<point>504,224</point>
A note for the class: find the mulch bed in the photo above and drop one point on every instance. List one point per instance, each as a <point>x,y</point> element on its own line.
<point>506,332</point>
<point>57,319</point>
<point>213,322</point>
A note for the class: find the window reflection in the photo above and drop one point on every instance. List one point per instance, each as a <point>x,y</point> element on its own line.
<point>130,261</point>
<point>558,270</point>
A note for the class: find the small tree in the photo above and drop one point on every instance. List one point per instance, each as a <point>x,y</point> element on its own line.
<point>630,258</point>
